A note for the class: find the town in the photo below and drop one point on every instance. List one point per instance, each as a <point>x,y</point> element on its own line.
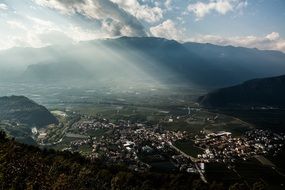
<point>223,147</point>
<point>143,147</point>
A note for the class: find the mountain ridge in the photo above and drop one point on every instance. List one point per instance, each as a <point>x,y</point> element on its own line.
<point>256,92</point>
<point>167,61</point>
<point>23,110</point>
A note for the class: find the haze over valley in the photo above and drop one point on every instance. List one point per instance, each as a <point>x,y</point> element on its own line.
<point>142,94</point>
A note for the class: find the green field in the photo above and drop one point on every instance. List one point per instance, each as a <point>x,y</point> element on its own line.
<point>189,148</point>
<point>273,119</point>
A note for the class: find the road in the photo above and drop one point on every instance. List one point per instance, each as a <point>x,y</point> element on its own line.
<point>194,160</point>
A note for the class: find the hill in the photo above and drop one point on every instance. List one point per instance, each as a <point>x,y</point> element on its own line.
<point>266,92</point>
<point>23,110</point>
<point>28,167</point>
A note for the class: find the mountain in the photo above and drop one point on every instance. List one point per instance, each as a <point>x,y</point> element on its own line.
<point>26,111</point>
<point>55,71</point>
<point>239,63</point>
<point>257,92</point>
<point>142,59</point>
<point>202,64</point>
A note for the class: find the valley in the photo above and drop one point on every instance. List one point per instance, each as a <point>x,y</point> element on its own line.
<point>142,95</point>
<point>153,116</point>
<point>149,130</point>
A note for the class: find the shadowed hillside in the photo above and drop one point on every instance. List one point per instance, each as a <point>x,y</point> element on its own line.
<point>257,92</point>
<point>23,110</point>
<point>28,167</point>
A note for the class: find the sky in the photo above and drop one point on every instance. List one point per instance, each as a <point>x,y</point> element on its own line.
<point>246,23</point>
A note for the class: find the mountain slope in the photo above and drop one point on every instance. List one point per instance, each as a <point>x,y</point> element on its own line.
<point>203,64</point>
<point>257,92</point>
<point>28,167</point>
<point>24,110</point>
<point>55,71</point>
<point>146,59</point>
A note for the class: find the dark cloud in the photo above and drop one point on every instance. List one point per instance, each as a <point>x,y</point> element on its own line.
<point>121,19</point>
<point>113,19</point>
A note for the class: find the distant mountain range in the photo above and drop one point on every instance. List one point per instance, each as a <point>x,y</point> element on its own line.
<point>257,92</point>
<point>23,110</point>
<point>145,59</point>
<point>55,72</point>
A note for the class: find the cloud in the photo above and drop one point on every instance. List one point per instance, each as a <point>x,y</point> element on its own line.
<point>168,3</point>
<point>270,41</point>
<point>114,20</point>
<point>35,32</point>
<point>16,25</point>
<point>167,30</point>
<point>141,12</point>
<point>28,32</point>
<point>3,7</point>
<point>201,9</point>
<point>81,20</point>
<point>273,36</point>
<point>55,38</point>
